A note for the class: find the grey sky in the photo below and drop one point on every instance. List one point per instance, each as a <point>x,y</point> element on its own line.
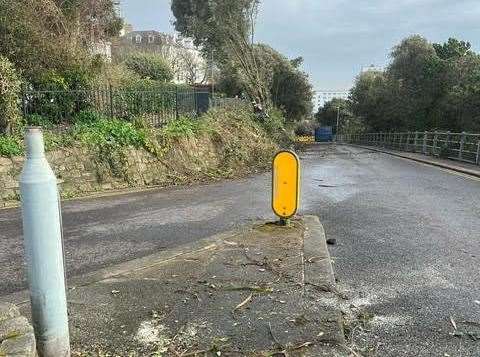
<point>338,37</point>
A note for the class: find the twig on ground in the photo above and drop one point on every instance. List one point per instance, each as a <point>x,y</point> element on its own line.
<point>277,342</point>
<point>351,351</point>
<point>243,303</point>
<point>194,353</point>
<point>452,321</point>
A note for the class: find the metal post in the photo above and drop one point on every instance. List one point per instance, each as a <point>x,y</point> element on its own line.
<point>477,160</point>
<point>462,145</point>
<point>448,140</point>
<point>213,79</point>
<point>43,250</point>
<point>197,111</point>
<point>435,141</point>
<point>425,136</point>
<point>176,102</point>
<point>407,144</point>
<point>111,101</point>
<point>415,142</point>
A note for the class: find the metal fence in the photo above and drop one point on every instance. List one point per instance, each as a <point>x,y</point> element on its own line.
<point>457,146</point>
<point>156,106</point>
<point>229,102</point>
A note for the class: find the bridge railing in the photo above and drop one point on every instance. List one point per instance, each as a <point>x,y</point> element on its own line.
<point>457,146</point>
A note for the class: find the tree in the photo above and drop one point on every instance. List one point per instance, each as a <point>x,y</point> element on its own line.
<point>327,115</point>
<point>425,87</point>
<point>9,96</point>
<point>452,49</point>
<point>53,34</point>
<point>225,28</point>
<point>150,66</point>
<point>289,87</point>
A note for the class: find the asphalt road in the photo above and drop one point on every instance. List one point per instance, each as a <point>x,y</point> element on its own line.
<point>408,239</point>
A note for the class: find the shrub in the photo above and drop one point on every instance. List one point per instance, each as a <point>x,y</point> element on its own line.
<point>10,87</point>
<point>110,132</point>
<point>88,116</point>
<point>304,128</point>
<point>150,66</point>
<point>38,120</point>
<point>51,100</point>
<point>10,146</point>
<point>182,127</point>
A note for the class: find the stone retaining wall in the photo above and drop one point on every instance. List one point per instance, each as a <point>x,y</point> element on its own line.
<point>16,334</point>
<point>80,171</point>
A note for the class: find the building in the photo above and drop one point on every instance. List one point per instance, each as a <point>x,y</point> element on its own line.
<point>103,49</point>
<point>184,58</point>
<point>323,96</point>
<point>371,68</point>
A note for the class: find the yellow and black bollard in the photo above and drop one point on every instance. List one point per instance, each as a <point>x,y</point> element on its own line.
<point>285,185</point>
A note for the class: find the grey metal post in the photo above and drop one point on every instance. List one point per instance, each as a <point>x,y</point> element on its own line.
<point>448,140</point>
<point>435,141</point>
<point>176,103</point>
<point>462,145</point>
<point>415,142</point>
<point>477,160</point>
<point>43,250</point>
<point>407,144</point>
<point>425,136</point>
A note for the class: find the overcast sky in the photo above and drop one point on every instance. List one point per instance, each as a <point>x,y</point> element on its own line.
<point>338,37</point>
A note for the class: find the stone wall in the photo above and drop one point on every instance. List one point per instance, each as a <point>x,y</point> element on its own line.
<point>80,171</point>
<point>16,334</point>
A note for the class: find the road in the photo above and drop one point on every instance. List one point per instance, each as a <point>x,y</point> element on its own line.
<point>408,236</point>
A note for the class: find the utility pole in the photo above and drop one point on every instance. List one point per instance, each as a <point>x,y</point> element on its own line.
<point>44,250</point>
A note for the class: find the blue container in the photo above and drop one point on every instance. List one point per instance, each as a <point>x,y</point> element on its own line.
<point>323,134</point>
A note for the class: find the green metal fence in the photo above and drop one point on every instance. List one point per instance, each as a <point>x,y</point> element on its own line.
<point>456,146</point>
<point>157,106</point>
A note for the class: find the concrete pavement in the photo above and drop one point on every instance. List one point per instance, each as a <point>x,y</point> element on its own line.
<point>408,249</point>
<point>257,291</point>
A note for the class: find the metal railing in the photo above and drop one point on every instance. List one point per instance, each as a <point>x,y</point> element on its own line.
<point>219,102</point>
<point>456,146</point>
<point>157,106</point>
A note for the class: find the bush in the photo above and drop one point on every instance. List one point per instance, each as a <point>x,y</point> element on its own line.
<point>304,128</point>
<point>10,146</point>
<point>110,132</point>
<point>88,116</point>
<point>150,66</point>
<point>182,127</point>
<point>38,120</point>
<point>10,87</point>
<point>51,100</point>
